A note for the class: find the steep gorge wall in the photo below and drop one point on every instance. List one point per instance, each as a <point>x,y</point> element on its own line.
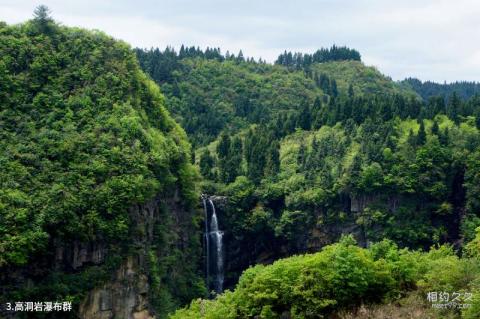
<point>128,294</point>
<point>125,296</point>
<point>128,289</point>
<point>253,239</point>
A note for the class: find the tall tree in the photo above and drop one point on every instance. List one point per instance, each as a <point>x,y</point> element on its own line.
<point>272,162</point>
<point>334,88</point>
<point>422,135</point>
<point>453,107</point>
<point>435,128</point>
<point>206,164</point>
<point>223,152</point>
<point>42,20</point>
<point>351,93</point>
<point>235,159</point>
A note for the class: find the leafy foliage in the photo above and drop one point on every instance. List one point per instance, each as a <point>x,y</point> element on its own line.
<point>84,135</point>
<point>341,276</point>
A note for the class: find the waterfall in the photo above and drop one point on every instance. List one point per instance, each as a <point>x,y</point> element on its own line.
<point>217,244</point>
<point>214,250</point>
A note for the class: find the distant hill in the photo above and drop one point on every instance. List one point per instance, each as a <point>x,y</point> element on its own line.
<point>300,60</point>
<point>364,79</point>
<point>209,92</point>
<point>429,89</point>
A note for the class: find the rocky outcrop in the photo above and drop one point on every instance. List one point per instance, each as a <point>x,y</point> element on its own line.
<point>128,274</point>
<point>126,293</point>
<point>77,254</point>
<point>219,201</point>
<point>126,296</point>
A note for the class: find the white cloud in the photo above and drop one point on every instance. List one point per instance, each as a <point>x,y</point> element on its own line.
<point>430,39</point>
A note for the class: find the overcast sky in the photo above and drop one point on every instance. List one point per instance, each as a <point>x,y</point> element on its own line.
<point>435,40</point>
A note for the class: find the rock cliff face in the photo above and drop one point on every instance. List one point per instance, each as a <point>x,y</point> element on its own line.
<point>246,247</point>
<point>125,296</point>
<point>75,255</point>
<point>128,291</point>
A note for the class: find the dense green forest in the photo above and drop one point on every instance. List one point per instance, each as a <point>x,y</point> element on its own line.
<point>340,193</point>
<point>306,152</point>
<point>84,138</point>
<point>209,93</point>
<point>428,89</point>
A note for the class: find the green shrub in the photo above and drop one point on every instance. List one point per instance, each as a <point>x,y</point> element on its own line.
<point>341,276</point>
<point>305,286</point>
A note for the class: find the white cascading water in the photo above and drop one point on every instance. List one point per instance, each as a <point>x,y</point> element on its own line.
<point>214,240</point>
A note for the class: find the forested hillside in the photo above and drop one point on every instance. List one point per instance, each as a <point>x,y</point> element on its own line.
<point>95,176</point>
<point>428,89</point>
<point>329,190</point>
<point>208,92</point>
<point>306,152</point>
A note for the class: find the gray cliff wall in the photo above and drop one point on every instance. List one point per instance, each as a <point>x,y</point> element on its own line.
<point>128,293</point>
